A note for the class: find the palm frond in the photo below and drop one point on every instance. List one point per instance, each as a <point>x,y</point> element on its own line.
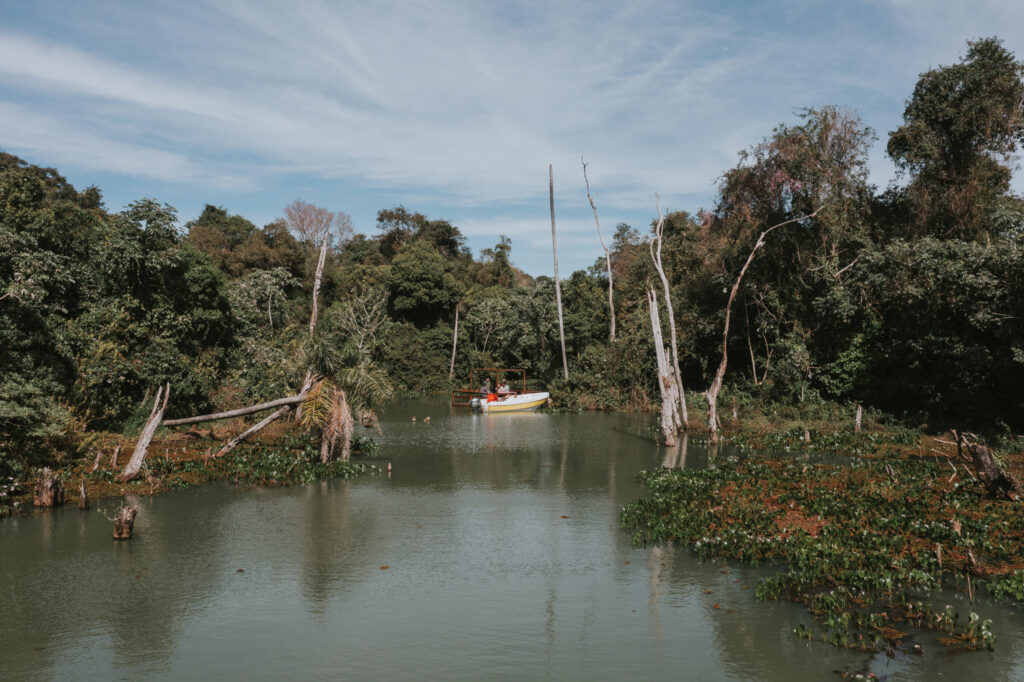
<point>366,384</point>
<point>339,427</point>
<point>316,407</point>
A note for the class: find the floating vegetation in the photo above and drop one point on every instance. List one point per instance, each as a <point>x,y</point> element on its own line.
<point>861,543</point>
<point>184,461</point>
<point>288,461</point>
<point>891,441</point>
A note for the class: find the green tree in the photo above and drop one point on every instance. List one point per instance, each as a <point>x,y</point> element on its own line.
<point>961,128</point>
<point>422,285</point>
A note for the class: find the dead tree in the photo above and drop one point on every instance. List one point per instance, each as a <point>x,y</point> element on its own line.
<point>124,522</point>
<point>998,482</point>
<point>83,495</point>
<point>558,284</point>
<point>307,382</point>
<point>259,426</point>
<point>607,255</point>
<point>455,341</point>
<point>131,470</point>
<point>670,419</point>
<point>240,412</point>
<point>659,233</point>
<point>711,395</point>
<point>858,418</point>
<point>49,490</point>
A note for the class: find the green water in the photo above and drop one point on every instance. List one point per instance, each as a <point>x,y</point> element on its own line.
<point>506,561</point>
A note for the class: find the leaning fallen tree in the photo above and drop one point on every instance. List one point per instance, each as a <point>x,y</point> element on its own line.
<point>711,395</point>
<point>155,420</point>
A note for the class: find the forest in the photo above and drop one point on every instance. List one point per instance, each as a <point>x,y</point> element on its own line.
<point>908,300</point>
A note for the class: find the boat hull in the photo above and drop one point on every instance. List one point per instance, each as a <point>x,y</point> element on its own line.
<point>527,402</point>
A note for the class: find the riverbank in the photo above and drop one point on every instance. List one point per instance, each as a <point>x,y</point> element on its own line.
<point>282,455</point>
<point>860,543</point>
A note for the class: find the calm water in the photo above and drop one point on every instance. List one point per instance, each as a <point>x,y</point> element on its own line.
<point>505,561</point>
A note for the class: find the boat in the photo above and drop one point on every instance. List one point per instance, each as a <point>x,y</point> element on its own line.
<point>487,400</point>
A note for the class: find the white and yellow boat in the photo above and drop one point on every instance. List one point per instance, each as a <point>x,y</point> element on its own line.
<point>517,402</point>
<point>484,399</point>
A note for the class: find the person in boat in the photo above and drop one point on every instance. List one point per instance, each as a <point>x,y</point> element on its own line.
<point>504,391</point>
<point>486,388</point>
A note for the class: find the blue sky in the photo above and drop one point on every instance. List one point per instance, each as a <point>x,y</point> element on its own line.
<point>453,109</point>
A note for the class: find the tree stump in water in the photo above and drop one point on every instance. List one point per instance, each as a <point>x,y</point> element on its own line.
<point>83,496</point>
<point>49,490</point>
<point>124,522</point>
<point>998,482</point>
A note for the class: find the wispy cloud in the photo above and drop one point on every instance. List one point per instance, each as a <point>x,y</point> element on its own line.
<point>460,105</point>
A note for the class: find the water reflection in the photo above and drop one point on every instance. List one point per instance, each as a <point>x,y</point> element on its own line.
<point>505,560</point>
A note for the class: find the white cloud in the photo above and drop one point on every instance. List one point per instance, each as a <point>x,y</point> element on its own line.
<point>461,104</point>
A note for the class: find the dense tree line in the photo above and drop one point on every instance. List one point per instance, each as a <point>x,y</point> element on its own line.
<point>910,299</point>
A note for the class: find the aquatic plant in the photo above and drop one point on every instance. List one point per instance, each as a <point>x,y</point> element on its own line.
<point>859,542</point>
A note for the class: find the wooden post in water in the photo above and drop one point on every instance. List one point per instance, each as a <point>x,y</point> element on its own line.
<point>558,285</point>
<point>83,495</point>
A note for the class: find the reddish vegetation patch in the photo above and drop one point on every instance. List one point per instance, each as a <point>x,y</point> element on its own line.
<point>794,519</point>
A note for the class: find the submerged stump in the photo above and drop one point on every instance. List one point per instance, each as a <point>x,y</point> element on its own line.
<point>124,522</point>
<point>83,495</point>
<point>49,491</point>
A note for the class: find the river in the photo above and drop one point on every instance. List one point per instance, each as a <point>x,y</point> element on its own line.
<point>492,551</point>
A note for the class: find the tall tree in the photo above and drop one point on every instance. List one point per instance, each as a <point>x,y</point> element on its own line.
<point>659,234</point>
<point>961,127</point>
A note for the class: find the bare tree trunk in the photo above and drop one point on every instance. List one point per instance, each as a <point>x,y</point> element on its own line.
<point>607,255</point>
<point>858,418</point>
<point>307,382</point>
<point>316,284</point>
<point>131,470</point>
<point>240,412</point>
<point>83,495</point>
<point>233,443</point>
<point>666,382</point>
<point>558,284</point>
<point>716,384</point>
<point>750,347</point>
<point>455,341</point>
<point>999,483</point>
<point>656,257</point>
<point>124,522</point>
<point>96,462</point>
<point>49,490</point>
<point>113,456</point>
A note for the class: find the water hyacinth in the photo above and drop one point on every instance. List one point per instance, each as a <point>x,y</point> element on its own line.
<point>857,543</point>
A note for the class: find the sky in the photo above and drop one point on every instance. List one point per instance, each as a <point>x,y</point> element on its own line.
<point>454,109</point>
